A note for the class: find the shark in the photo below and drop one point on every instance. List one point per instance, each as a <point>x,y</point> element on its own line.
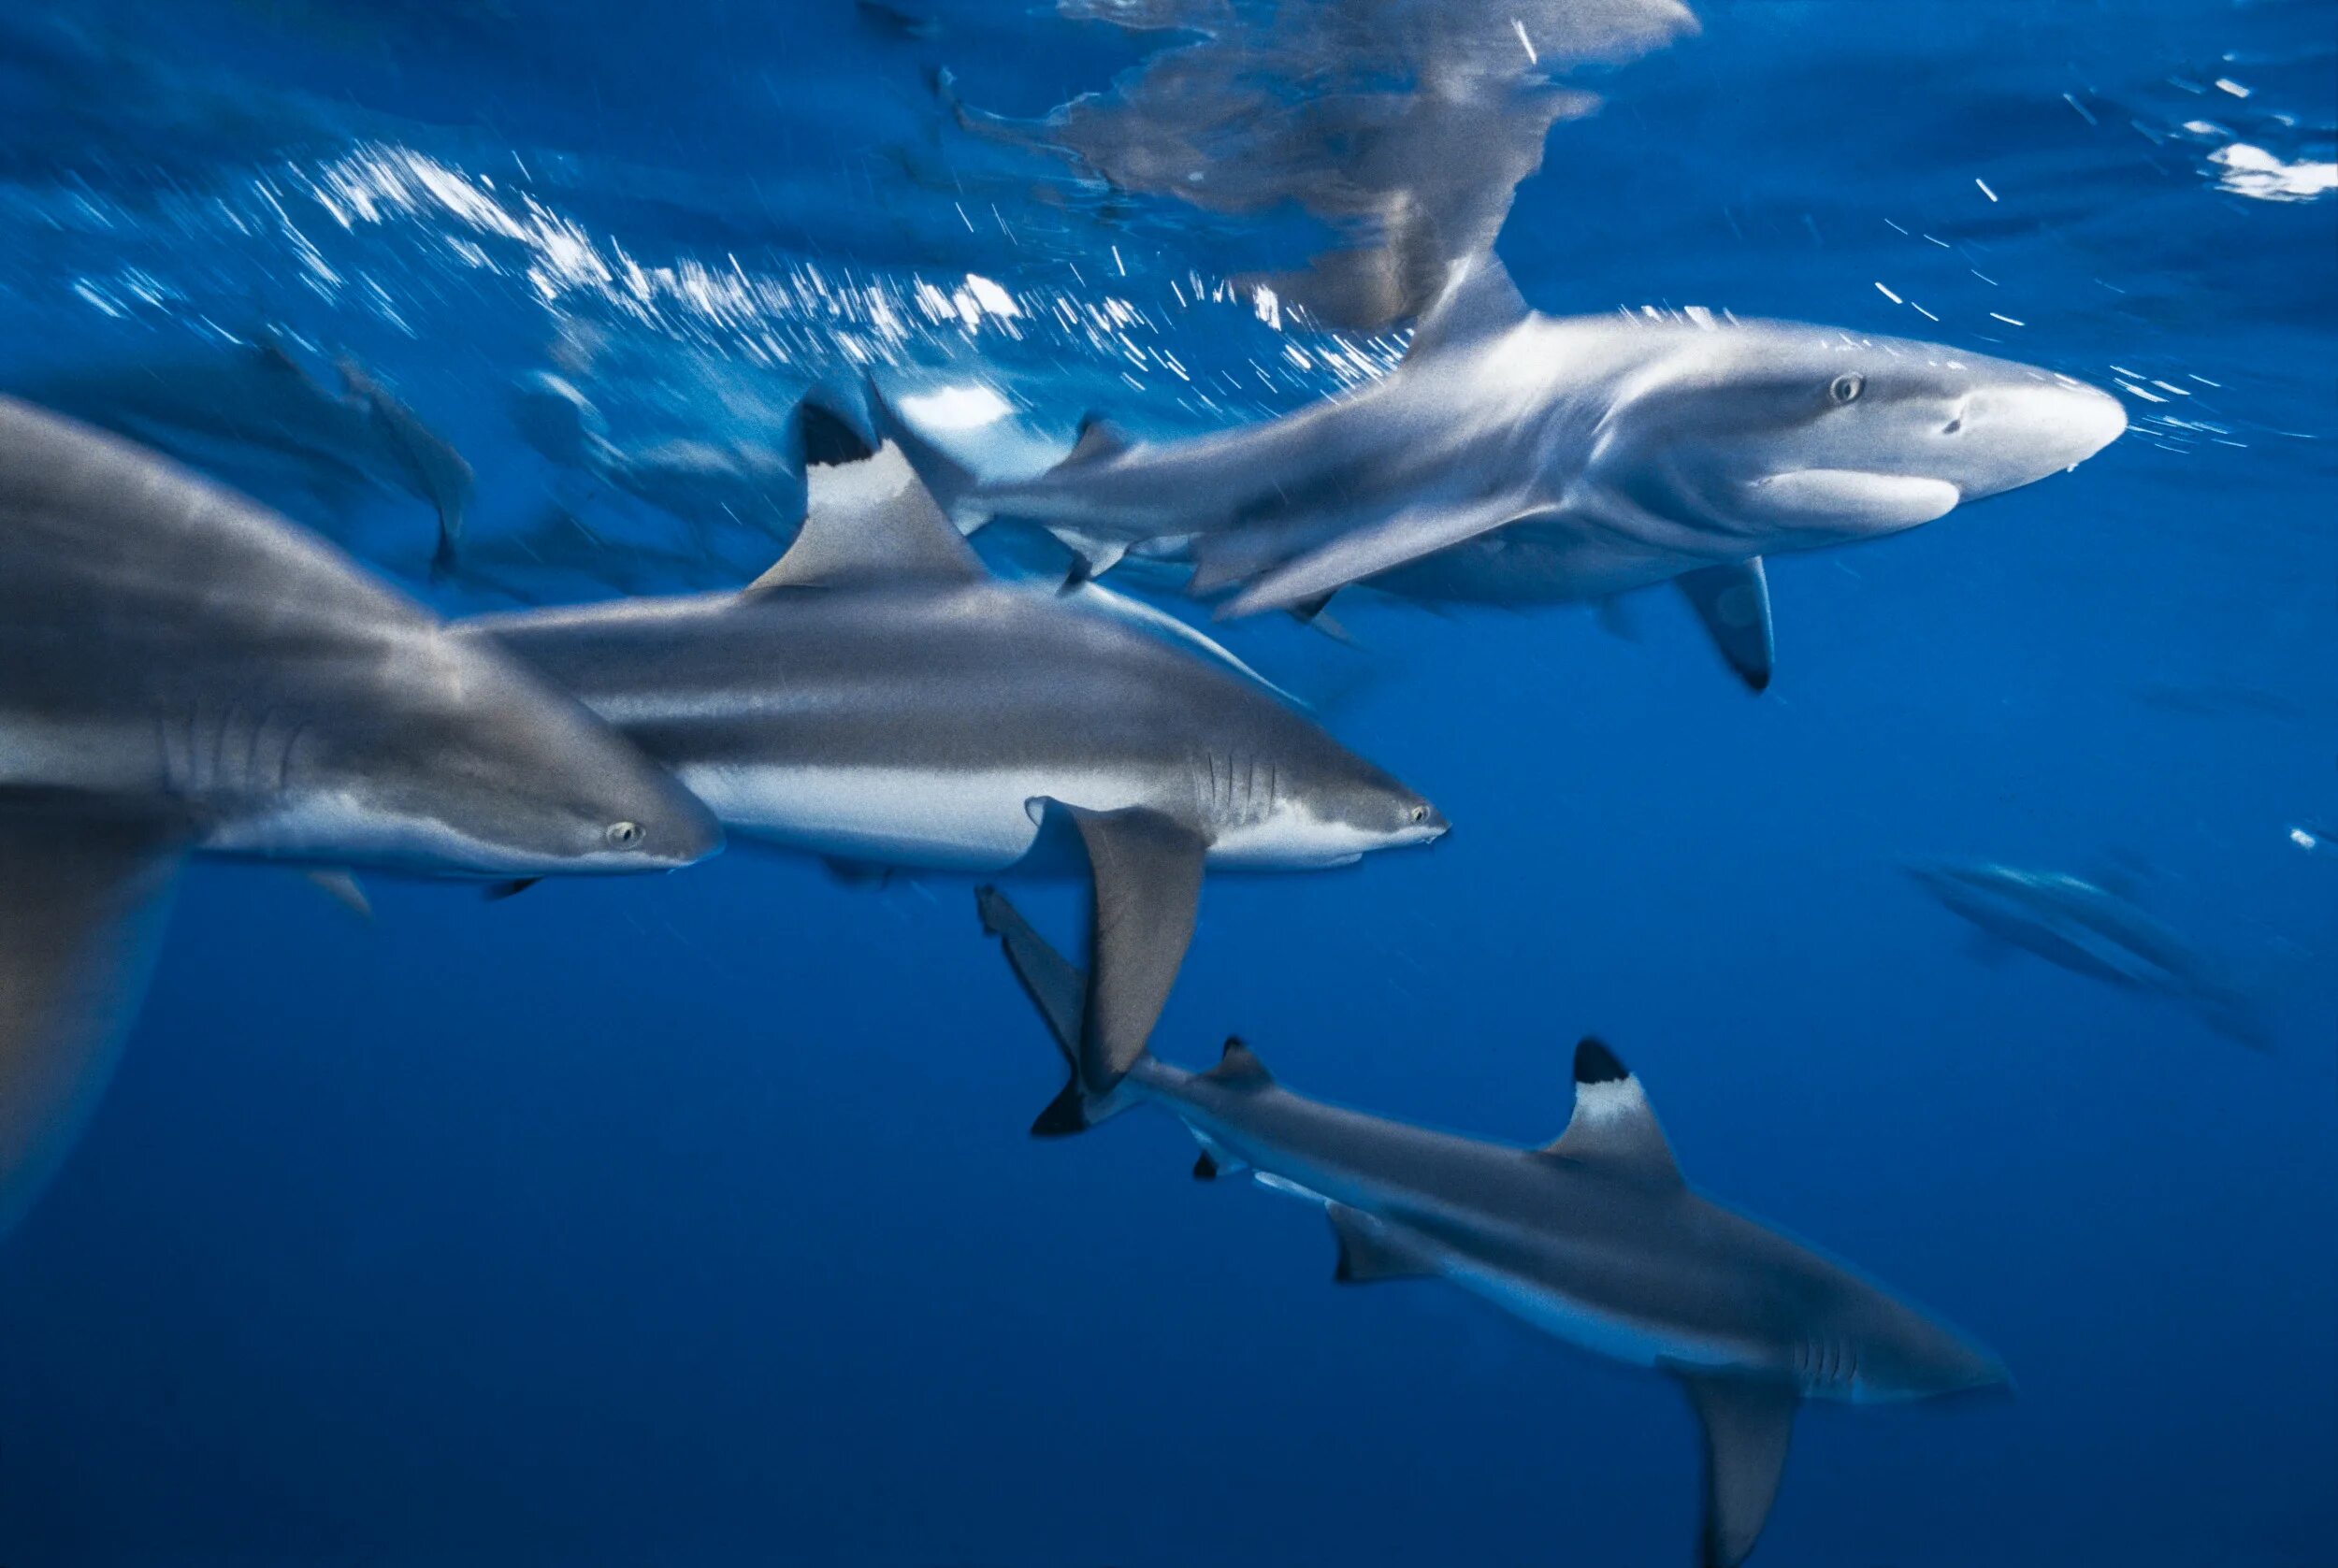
<point>879,699</point>
<point>183,673</point>
<point>1595,1237</point>
<point>253,414</point>
<point>2094,928</point>
<point>1517,458</point>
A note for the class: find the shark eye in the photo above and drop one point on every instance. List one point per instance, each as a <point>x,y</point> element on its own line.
<point>1847,387</point>
<point>1420,814</point>
<point>623,835</point>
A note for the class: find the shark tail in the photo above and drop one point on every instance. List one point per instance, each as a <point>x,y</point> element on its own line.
<point>1145,872</point>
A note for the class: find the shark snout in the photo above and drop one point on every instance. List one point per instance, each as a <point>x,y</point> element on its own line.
<point>2019,432</point>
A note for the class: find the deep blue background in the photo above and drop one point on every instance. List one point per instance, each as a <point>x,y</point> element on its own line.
<point>692,1221</point>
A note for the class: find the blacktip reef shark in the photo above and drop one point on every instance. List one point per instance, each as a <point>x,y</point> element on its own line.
<point>254,415</point>
<point>1594,1237</point>
<point>183,672</point>
<point>1514,457</point>
<point>877,698</point>
<point>2093,930</point>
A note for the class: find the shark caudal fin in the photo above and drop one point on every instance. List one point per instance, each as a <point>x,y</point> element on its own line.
<point>1146,882</point>
<point>82,898</point>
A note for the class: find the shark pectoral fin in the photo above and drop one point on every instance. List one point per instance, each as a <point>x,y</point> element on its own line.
<point>1617,620</point>
<point>1055,984</point>
<point>1407,535</point>
<point>1733,602</point>
<point>872,523</point>
<point>341,887</point>
<point>1145,874</point>
<point>1478,301</point>
<point>1821,498</point>
<point>81,900</point>
<point>1370,1250</point>
<point>1613,1127</point>
<point>1748,1425</point>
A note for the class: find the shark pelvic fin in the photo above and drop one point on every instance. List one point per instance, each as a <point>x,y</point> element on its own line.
<point>1370,1250</point>
<point>1733,602</point>
<point>1613,1127</point>
<point>868,524</point>
<point>82,898</point>
<point>340,886</point>
<point>1478,301</point>
<point>1747,1427</point>
<point>1238,1067</point>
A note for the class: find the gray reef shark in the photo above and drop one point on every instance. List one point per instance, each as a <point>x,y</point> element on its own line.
<point>183,672</point>
<point>1594,1237</point>
<point>1514,457</point>
<point>2093,930</point>
<point>252,415</point>
<point>879,699</point>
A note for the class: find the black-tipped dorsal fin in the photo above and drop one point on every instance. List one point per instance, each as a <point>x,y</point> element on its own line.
<point>1748,1425</point>
<point>1099,439</point>
<point>1238,1067</point>
<point>1370,1249</point>
<point>1733,602</point>
<point>1478,301</point>
<point>1613,1127</point>
<point>868,524</point>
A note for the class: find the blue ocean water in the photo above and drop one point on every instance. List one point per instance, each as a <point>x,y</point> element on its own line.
<point>692,1220</point>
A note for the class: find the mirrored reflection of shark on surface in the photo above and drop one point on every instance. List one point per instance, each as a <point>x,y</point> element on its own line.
<point>1404,126</point>
<point>184,673</point>
<point>1595,1238</point>
<point>256,417</point>
<point>2094,928</point>
<point>1517,458</point>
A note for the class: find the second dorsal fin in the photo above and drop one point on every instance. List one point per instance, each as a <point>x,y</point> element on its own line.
<point>868,524</point>
<point>1099,439</point>
<point>1239,1067</point>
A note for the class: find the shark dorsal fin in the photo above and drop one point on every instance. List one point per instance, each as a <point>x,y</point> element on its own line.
<point>871,523</point>
<point>1613,1127</point>
<point>1239,1067</point>
<point>1099,439</point>
<point>1478,301</point>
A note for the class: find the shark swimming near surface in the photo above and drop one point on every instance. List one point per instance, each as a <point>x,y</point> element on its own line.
<point>183,672</point>
<point>254,416</point>
<point>1594,1237</point>
<point>877,698</point>
<point>1519,458</point>
<point>2094,930</point>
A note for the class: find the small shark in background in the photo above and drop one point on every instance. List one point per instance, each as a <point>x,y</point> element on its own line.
<point>1519,458</point>
<point>2095,930</point>
<point>255,417</point>
<point>183,672</point>
<point>1593,1237</point>
<point>878,700</point>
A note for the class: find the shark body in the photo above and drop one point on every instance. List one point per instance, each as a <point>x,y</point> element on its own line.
<point>1594,1237</point>
<point>183,672</point>
<point>879,699</point>
<point>1520,458</point>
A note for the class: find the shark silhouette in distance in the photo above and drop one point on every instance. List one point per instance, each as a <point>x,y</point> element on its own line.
<point>1594,1237</point>
<point>183,672</point>
<point>1517,458</point>
<point>2094,928</point>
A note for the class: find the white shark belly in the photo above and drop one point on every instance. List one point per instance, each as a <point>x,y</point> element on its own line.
<point>1617,1338</point>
